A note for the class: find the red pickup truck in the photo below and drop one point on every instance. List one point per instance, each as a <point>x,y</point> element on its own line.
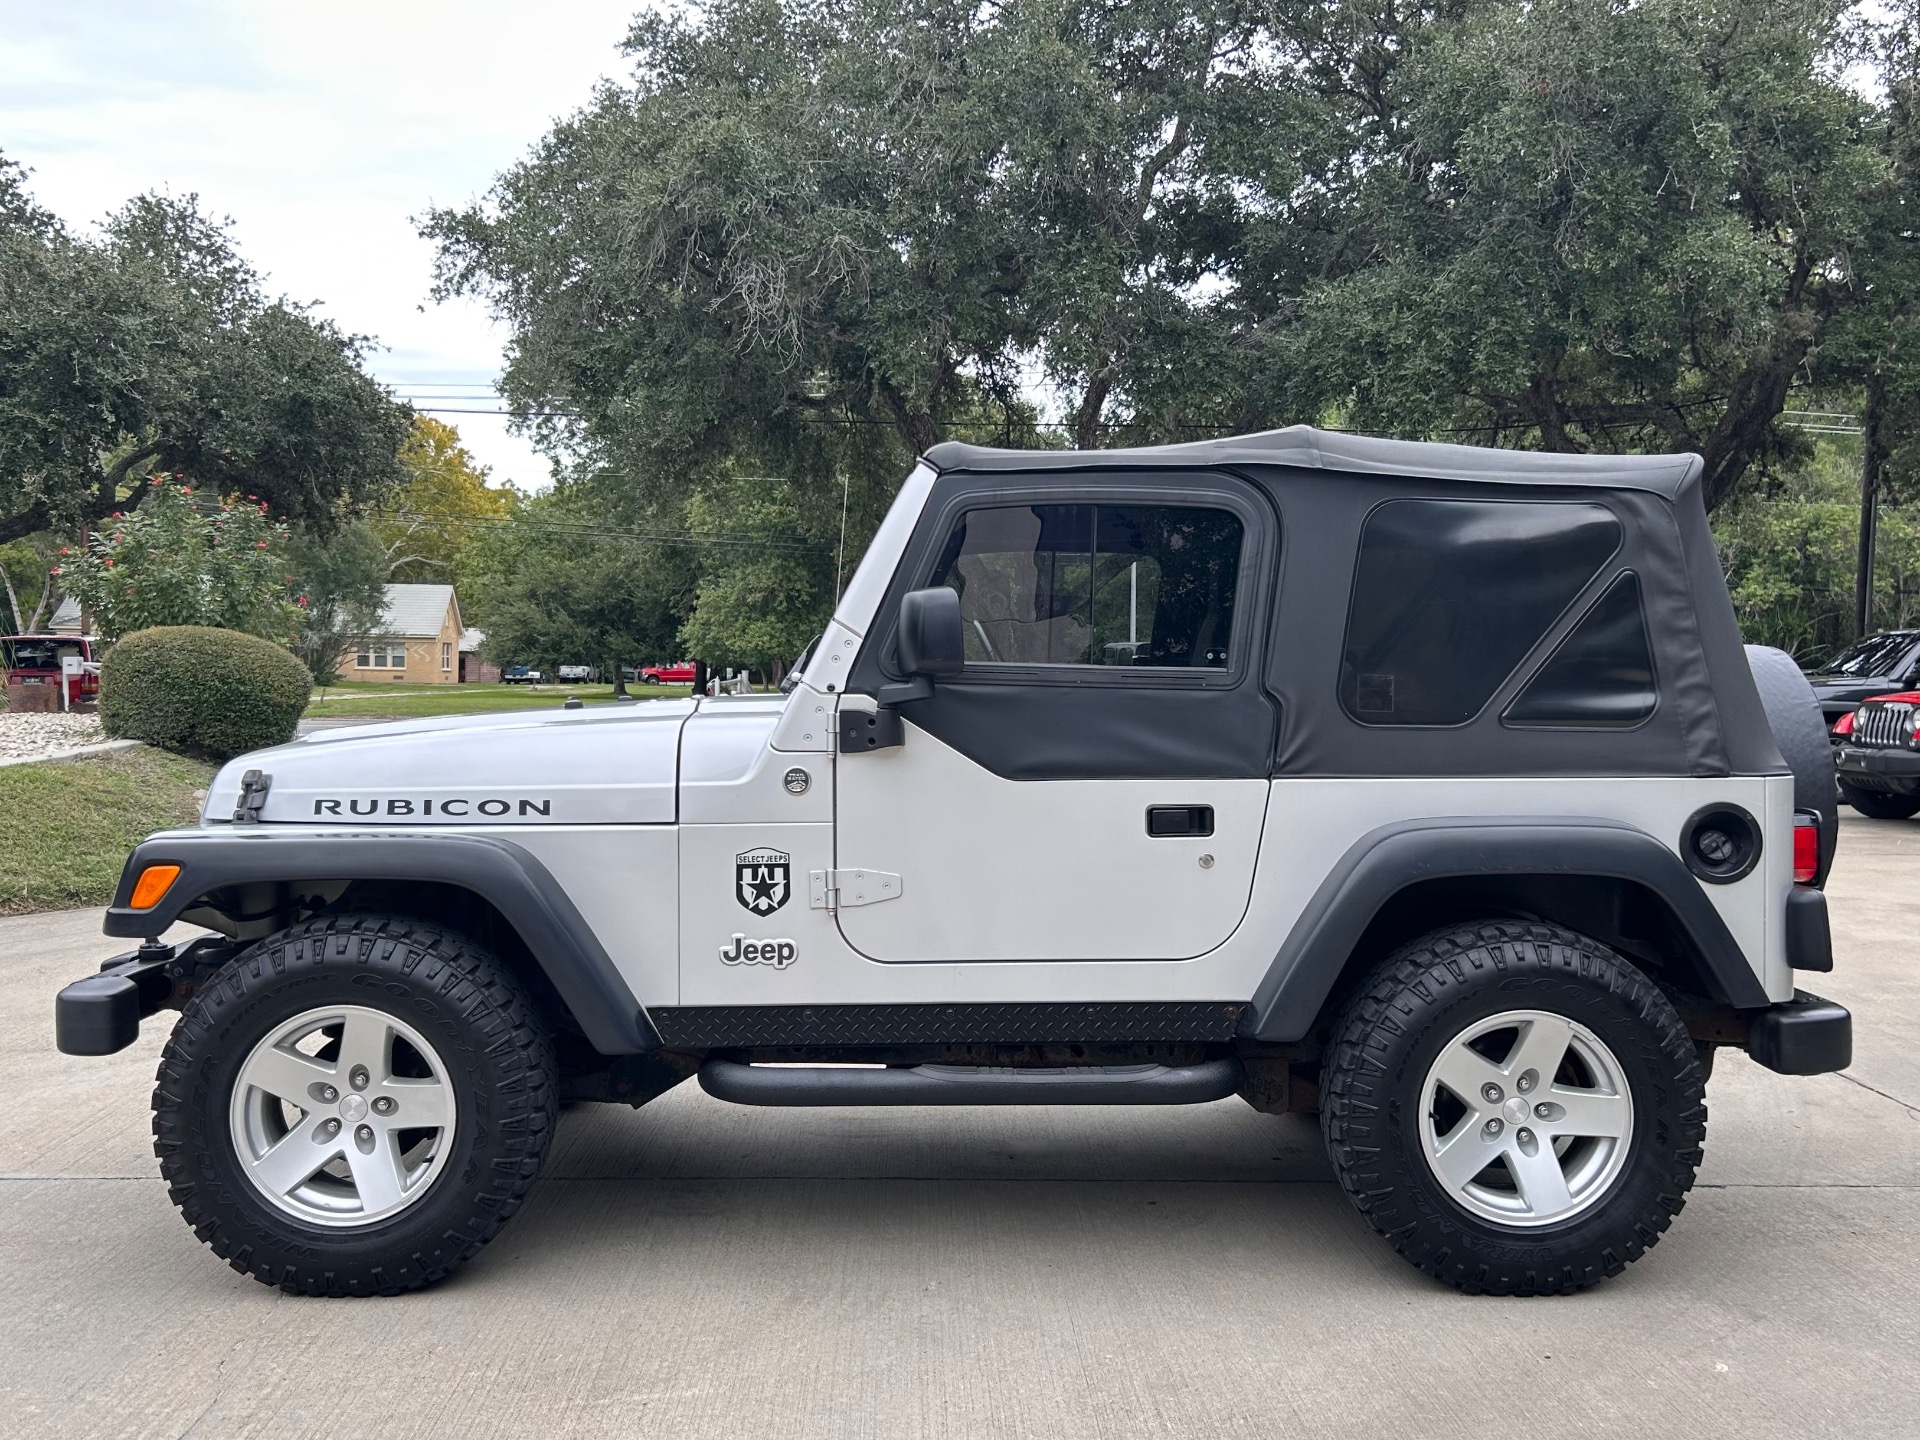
<point>33,660</point>
<point>680,674</point>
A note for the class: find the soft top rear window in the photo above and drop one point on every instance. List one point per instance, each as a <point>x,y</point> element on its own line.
<point>1449,596</point>
<point>1601,676</point>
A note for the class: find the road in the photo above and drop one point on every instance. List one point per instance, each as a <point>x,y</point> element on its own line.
<point>693,1269</point>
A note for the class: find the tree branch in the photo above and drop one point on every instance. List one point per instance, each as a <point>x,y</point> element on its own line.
<point>30,521</point>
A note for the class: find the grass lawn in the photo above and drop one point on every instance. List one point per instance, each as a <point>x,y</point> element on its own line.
<point>66,825</point>
<point>399,701</point>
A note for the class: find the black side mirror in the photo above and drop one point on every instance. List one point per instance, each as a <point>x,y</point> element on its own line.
<point>931,639</point>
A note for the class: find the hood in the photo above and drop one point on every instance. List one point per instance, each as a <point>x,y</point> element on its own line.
<point>1833,686</point>
<point>610,765</point>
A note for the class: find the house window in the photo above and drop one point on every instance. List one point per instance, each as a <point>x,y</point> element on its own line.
<point>379,656</point>
<point>446,655</point>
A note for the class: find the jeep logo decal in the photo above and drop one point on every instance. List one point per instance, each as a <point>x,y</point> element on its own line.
<point>777,953</point>
<point>762,881</point>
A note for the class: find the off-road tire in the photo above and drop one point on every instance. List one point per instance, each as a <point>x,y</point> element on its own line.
<point>488,1033</point>
<point>1429,992</point>
<point>1877,806</point>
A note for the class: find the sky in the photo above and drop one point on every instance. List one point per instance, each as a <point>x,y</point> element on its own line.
<point>321,130</point>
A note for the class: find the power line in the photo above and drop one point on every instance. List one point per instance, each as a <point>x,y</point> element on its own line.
<point>601,532</point>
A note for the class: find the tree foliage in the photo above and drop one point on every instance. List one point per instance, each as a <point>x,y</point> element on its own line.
<point>765,590</point>
<point>182,560</point>
<point>26,575</point>
<point>809,240</point>
<point>1787,543</point>
<point>558,586</point>
<point>1575,224</point>
<point>151,347</point>
<point>340,589</point>
<point>443,504</point>
<point>1593,226</point>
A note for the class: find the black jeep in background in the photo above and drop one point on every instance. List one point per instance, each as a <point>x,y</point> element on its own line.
<point>1874,666</point>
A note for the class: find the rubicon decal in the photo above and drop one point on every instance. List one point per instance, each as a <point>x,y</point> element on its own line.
<point>762,880</point>
<point>777,953</point>
<point>454,806</point>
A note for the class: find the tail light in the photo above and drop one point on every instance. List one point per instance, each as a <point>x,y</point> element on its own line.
<point>1806,848</point>
<point>1844,725</point>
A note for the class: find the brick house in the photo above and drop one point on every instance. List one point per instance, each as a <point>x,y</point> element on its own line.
<point>419,639</point>
<point>473,666</point>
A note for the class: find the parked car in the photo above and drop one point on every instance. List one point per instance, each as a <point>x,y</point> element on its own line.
<point>1534,837</point>
<point>680,673</point>
<point>521,675</point>
<point>1874,666</point>
<point>586,674</point>
<point>1877,756</point>
<point>34,660</point>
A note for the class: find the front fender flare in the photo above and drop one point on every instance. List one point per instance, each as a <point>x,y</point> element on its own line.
<point>500,872</point>
<point>1385,861</point>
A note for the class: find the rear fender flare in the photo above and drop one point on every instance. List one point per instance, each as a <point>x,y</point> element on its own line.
<point>498,871</point>
<point>1385,861</point>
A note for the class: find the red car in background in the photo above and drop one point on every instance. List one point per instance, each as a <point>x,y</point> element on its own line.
<point>35,660</point>
<point>681,674</point>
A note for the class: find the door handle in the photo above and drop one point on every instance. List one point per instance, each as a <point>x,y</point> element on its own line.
<point>1192,820</point>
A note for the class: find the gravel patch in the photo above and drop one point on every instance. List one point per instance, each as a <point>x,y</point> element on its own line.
<point>30,736</point>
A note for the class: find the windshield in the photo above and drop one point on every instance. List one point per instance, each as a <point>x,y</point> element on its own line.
<point>1875,655</point>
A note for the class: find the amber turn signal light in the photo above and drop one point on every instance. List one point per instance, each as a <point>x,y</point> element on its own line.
<point>154,882</point>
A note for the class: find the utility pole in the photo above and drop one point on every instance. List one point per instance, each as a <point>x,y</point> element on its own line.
<point>1869,510</point>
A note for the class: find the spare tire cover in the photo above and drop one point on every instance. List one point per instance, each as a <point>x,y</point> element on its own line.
<point>1800,730</point>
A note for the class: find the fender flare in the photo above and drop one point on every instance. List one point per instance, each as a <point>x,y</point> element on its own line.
<point>500,872</point>
<point>1385,861</point>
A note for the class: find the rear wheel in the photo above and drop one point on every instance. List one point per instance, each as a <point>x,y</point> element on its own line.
<point>354,1106</point>
<point>1517,1109</point>
<point>1878,805</point>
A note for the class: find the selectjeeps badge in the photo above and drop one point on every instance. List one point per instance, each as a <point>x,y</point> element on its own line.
<point>762,880</point>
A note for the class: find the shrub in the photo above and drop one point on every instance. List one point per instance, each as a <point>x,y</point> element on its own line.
<point>201,691</point>
<point>182,559</point>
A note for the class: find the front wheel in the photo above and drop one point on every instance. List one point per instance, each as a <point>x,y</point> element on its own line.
<point>1518,1110</point>
<point>354,1105</point>
<point>1876,805</point>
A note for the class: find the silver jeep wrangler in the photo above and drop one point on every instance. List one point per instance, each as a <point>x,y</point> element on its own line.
<point>1423,787</point>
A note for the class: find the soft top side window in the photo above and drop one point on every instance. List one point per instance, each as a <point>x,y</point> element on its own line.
<point>1601,675</point>
<point>1450,595</point>
<point>1095,584</point>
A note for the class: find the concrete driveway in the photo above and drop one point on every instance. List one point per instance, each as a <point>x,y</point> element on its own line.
<point>693,1269</point>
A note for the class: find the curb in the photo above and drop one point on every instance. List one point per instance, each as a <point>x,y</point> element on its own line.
<point>100,749</point>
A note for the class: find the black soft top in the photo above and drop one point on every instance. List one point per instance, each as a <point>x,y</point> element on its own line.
<point>1709,719</point>
<point>1302,445</point>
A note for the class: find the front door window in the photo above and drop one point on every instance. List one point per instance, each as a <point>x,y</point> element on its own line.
<point>1107,585</point>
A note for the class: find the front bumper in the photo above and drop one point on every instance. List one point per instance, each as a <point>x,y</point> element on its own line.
<point>102,1013</point>
<point>1881,767</point>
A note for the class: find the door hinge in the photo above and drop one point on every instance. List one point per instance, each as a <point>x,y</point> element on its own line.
<point>832,889</point>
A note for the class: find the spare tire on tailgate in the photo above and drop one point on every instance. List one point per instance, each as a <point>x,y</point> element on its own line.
<point>1800,730</point>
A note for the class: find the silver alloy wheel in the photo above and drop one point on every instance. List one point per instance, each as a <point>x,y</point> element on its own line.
<point>1534,1137</point>
<point>343,1141</point>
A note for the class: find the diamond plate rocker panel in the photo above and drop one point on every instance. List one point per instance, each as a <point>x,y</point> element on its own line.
<point>733,1026</point>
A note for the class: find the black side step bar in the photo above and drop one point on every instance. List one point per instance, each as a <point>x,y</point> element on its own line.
<point>970,1084</point>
